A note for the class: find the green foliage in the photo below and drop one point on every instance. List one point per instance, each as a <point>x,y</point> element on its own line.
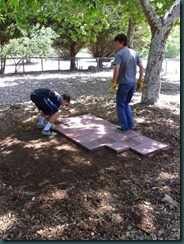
<point>18,5</point>
<point>142,40</point>
<point>42,40</point>
<point>74,25</point>
<point>103,46</point>
<point>79,23</point>
<point>37,43</point>
<point>160,7</point>
<point>173,43</point>
<point>8,26</point>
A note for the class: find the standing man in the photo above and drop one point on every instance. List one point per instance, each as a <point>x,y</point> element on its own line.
<point>49,102</point>
<point>124,76</point>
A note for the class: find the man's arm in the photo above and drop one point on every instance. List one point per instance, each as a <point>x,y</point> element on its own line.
<point>115,73</point>
<point>141,71</point>
<point>114,78</point>
<point>139,81</point>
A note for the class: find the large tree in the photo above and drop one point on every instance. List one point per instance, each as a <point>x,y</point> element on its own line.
<point>74,25</point>
<point>36,43</point>
<point>160,29</point>
<point>103,46</point>
<point>8,30</point>
<point>13,22</point>
<point>161,17</point>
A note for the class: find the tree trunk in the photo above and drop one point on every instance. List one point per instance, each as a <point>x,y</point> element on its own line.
<point>74,48</point>
<point>3,64</point>
<point>131,32</point>
<point>160,29</point>
<point>152,79</point>
<point>72,63</point>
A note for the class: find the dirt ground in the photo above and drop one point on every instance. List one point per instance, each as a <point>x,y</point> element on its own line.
<point>52,189</point>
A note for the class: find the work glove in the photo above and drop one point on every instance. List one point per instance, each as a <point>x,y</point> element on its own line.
<point>113,86</point>
<point>53,127</point>
<point>139,84</point>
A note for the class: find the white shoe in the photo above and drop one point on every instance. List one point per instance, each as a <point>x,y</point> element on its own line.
<point>48,133</point>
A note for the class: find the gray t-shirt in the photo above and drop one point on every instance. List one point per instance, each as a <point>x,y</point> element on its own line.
<point>128,60</point>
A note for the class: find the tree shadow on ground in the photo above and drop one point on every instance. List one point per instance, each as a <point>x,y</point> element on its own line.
<point>54,190</point>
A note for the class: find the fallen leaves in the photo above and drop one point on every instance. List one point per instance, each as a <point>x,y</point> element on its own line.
<point>169,201</point>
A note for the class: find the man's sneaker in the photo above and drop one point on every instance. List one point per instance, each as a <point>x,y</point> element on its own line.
<point>120,129</point>
<point>40,126</point>
<point>48,133</point>
<point>133,127</point>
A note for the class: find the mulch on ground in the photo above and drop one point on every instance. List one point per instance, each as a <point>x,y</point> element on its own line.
<point>52,189</point>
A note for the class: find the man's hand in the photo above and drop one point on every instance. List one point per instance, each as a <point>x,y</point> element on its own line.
<point>139,84</point>
<point>113,86</point>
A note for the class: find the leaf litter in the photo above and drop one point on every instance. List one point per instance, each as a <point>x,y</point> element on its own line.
<point>52,189</point>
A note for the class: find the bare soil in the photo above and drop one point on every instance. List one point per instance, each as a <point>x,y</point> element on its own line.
<point>52,189</point>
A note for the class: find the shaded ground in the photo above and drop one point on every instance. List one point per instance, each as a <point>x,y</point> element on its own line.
<point>52,189</point>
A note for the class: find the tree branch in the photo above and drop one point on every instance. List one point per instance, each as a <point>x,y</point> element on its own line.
<point>152,18</point>
<point>174,11</point>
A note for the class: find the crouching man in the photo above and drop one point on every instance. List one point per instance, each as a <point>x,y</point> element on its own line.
<point>48,102</point>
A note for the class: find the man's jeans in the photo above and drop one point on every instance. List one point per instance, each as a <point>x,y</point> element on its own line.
<point>124,112</point>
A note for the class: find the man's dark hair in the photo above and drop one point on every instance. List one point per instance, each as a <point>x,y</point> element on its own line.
<point>66,97</point>
<point>121,38</point>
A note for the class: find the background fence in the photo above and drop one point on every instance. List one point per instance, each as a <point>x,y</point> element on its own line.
<point>170,66</point>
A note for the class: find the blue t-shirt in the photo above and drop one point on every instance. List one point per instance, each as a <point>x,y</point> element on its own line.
<point>51,94</point>
<point>128,60</point>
